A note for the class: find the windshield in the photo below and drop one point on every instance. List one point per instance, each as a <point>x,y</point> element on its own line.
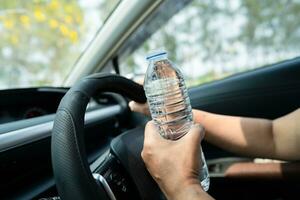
<point>42,39</point>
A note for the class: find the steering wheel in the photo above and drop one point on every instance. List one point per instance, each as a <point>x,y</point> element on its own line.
<point>122,167</point>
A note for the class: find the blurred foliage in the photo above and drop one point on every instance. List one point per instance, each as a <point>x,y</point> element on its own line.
<point>210,39</point>
<point>41,39</point>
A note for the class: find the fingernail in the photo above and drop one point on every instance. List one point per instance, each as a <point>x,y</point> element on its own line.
<point>130,104</point>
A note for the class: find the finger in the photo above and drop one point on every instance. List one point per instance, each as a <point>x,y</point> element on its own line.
<point>149,140</point>
<point>138,107</point>
<point>196,134</point>
<point>152,134</point>
<point>132,106</point>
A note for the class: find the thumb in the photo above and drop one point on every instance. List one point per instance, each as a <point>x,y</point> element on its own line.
<point>152,134</point>
<point>196,134</point>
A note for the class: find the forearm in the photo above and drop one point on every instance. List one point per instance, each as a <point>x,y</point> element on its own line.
<point>248,136</point>
<point>286,131</point>
<point>278,139</point>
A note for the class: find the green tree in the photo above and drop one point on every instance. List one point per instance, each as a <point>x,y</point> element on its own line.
<point>263,32</point>
<point>41,40</point>
<point>36,37</point>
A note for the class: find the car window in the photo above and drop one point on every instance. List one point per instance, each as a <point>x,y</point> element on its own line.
<point>210,40</point>
<point>42,39</point>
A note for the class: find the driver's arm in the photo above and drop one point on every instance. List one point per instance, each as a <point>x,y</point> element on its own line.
<point>279,138</point>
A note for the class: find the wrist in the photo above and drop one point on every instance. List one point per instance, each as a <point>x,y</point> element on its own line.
<point>189,192</point>
<point>183,186</point>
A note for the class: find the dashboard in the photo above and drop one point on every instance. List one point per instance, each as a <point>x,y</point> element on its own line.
<point>26,121</point>
<point>19,104</point>
<point>28,103</point>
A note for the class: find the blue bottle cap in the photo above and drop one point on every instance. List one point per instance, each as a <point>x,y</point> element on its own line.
<point>156,54</point>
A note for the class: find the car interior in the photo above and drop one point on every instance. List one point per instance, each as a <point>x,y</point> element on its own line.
<point>79,139</point>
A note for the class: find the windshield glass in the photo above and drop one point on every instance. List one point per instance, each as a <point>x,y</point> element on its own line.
<point>42,39</point>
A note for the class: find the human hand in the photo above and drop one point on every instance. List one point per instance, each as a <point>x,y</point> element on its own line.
<point>142,108</point>
<point>174,165</point>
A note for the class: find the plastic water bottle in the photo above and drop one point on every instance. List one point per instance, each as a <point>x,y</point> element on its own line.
<point>169,102</point>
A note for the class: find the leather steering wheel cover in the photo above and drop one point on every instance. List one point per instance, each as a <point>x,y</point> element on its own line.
<point>71,170</point>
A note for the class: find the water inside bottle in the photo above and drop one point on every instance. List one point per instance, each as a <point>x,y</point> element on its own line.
<point>169,103</point>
